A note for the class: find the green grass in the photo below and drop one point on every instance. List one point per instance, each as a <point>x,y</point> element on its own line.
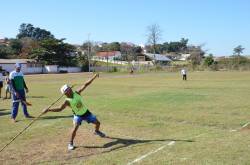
<point>142,112</point>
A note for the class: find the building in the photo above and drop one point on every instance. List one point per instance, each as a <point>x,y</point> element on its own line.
<point>30,66</point>
<point>158,58</point>
<point>107,55</point>
<point>184,57</point>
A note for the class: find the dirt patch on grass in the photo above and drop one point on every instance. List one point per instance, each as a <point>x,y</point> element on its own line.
<point>50,150</point>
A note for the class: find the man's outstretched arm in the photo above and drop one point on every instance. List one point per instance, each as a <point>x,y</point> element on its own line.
<point>83,87</point>
<point>58,109</point>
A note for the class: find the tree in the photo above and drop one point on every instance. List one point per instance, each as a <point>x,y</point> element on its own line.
<point>28,30</point>
<point>55,52</point>
<point>5,51</point>
<point>238,50</point>
<point>114,46</point>
<point>154,34</point>
<point>28,44</point>
<point>16,46</point>
<point>209,60</point>
<point>183,44</point>
<point>130,51</point>
<point>196,55</point>
<point>126,51</point>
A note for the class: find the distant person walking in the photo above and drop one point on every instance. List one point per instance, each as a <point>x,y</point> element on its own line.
<point>1,82</point>
<point>184,74</point>
<point>7,86</point>
<point>18,92</point>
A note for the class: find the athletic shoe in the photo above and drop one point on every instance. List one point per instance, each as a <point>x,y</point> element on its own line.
<point>99,133</point>
<point>71,147</point>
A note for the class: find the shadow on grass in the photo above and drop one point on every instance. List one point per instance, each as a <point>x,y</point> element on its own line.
<point>36,97</point>
<point>118,143</point>
<point>115,144</point>
<point>3,109</point>
<point>4,113</point>
<point>54,117</point>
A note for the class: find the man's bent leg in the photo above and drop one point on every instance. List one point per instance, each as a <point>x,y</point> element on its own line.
<point>97,128</point>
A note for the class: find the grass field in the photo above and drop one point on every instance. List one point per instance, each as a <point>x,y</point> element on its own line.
<point>151,118</point>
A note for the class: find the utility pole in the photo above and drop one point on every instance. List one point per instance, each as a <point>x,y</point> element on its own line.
<point>89,50</point>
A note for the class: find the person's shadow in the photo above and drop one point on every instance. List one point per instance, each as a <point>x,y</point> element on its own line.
<point>115,144</point>
<point>36,97</point>
<point>4,113</point>
<point>119,143</point>
<point>55,117</point>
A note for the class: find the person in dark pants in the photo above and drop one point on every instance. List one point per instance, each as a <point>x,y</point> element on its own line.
<point>19,88</point>
<point>184,74</point>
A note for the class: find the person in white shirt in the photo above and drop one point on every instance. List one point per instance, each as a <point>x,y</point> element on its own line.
<point>184,74</point>
<point>19,90</point>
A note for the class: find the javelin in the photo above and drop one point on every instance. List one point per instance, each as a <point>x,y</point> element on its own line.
<point>35,119</point>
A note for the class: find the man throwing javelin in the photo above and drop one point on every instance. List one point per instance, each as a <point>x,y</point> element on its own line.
<point>80,111</point>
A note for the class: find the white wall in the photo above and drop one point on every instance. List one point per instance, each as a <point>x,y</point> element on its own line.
<point>51,68</point>
<point>70,69</point>
<point>37,70</point>
<point>34,70</point>
<point>8,67</point>
<point>25,69</point>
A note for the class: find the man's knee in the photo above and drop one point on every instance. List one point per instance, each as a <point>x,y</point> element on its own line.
<point>97,122</point>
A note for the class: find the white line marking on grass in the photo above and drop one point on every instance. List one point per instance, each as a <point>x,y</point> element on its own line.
<point>151,152</point>
<point>171,143</point>
<point>158,149</point>
<point>245,125</point>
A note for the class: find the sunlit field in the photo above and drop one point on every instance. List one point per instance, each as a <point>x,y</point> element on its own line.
<point>150,118</point>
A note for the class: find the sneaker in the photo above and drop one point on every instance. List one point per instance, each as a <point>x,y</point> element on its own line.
<point>71,147</point>
<point>99,133</point>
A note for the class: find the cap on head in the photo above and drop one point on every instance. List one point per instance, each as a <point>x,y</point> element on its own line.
<point>18,65</point>
<point>64,88</point>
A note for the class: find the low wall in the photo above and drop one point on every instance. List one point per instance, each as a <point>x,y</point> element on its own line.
<point>33,70</point>
<point>51,68</point>
<point>25,69</point>
<point>70,69</point>
<point>39,69</point>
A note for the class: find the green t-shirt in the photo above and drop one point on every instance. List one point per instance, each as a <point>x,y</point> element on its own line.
<point>18,79</point>
<point>77,105</point>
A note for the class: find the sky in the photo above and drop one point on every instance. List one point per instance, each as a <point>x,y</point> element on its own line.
<point>219,25</point>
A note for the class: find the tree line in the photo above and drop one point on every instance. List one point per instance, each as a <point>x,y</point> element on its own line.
<point>40,44</point>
